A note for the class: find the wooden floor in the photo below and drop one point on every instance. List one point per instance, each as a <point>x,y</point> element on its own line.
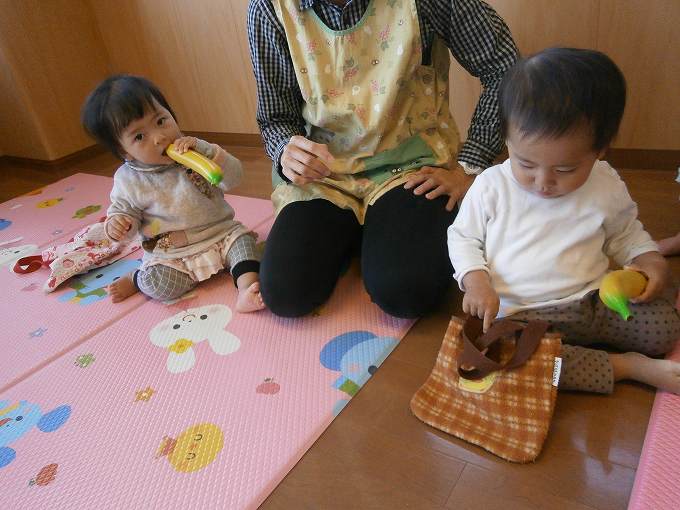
<point>376,455</point>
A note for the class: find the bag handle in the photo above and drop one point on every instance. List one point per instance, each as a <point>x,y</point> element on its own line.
<point>472,355</point>
<point>29,264</point>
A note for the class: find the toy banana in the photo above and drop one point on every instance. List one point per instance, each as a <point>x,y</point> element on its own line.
<point>620,286</point>
<point>198,163</point>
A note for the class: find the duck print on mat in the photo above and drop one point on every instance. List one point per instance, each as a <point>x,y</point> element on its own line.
<point>91,286</point>
<point>194,448</point>
<point>19,418</point>
<point>182,331</point>
<point>356,355</point>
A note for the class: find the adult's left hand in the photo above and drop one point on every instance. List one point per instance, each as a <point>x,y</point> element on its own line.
<point>434,182</point>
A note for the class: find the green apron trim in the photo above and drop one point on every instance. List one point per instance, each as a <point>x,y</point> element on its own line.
<point>411,153</point>
<point>369,10</point>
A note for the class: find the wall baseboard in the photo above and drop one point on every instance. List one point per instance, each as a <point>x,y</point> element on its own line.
<point>644,159</point>
<point>647,159</point>
<point>69,159</point>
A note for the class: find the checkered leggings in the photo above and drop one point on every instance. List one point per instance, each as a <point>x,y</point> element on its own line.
<point>653,331</point>
<point>166,283</point>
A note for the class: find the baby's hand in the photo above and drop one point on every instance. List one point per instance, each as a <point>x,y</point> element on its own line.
<point>185,143</point>
<point>480,300</point>
<point>117,226</point>
<point>655,268</point>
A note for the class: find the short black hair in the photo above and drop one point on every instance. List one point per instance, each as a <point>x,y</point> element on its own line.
<point>114,104</point>
<point>559,89</point>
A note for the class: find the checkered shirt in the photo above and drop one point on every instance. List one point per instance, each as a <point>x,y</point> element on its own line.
<point>477,37</point>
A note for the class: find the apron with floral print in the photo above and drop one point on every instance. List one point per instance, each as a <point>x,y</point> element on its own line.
<point>368,97</point>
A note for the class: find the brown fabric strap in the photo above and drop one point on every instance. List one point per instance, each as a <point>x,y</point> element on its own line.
<point>474,343</point>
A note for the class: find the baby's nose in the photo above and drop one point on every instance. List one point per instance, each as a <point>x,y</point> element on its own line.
<point>545,178</point>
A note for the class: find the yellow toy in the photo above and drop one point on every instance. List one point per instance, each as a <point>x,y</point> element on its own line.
<point>198,163</point>
<point>620,286</point>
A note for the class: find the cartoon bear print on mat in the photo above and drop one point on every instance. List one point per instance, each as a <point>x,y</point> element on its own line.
<point>194,448</point>
<point>17,419</point>
<point>180,332</point>
<point>8,256</point>
<point>356,355</point>
<point>91,286</point>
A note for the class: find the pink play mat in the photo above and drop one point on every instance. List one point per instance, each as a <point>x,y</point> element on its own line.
<point>152,405</point>
<point>657,482</point>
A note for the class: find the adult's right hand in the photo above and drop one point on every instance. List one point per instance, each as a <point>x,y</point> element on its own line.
<point>305,161</point>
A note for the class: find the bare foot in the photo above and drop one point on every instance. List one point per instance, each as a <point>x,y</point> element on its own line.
<point>249,299</point>
<point>122,288</point>
<point>663,374</point>
<point>670,246</point>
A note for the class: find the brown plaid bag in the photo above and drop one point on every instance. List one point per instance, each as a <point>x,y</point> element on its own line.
<point>505,403</point>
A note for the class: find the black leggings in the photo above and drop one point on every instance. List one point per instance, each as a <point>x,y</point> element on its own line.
<point>404,259</point>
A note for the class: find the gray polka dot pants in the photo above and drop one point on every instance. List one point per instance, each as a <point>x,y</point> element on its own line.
<point>653,331</point>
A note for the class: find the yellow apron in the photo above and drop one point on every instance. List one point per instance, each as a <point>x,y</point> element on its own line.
<point>367,96</point>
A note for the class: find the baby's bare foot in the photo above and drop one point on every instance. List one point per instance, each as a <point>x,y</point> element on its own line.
<point>122,288</point>
<point>249,299</point>
<point>663,374</point>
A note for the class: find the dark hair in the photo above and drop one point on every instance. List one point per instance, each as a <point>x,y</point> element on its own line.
<point>114,104</point>
<point>559,89</point>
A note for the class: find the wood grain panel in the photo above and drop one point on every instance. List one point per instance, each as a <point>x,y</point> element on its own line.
<point>19,133</point>
<point>534,26</point>
<point>643,39</point>
<point>55,55</point>
<point>196,52</point>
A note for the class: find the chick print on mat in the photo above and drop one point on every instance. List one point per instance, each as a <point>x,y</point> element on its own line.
<point>194,448</point>
<point>182,331</point>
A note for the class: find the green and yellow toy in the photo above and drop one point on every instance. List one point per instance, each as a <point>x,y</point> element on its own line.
<point>618,287</point>
<point>197,162</point>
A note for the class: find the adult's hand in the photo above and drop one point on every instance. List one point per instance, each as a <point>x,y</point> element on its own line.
<point>304,161</point>
<point>434,182</point>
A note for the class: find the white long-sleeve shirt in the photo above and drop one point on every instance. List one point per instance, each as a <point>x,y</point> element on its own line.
<point>544,251</point>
